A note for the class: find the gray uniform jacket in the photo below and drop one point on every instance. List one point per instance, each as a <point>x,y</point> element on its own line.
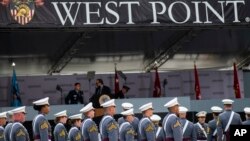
<point>247,122</point>
<point>2,134</point>
<point>212,131</point>
<point>109,129</point>
<point>134,123</point>
<point>126,132</point>
<point>159,135</point>
<point>41,128</point>
<point>60,132</point>
<point>146,130</point>
<point>74,134</point>
<point>222,121</point>
<point>201,133</point>
<point>189,133</point>
<point>18,132</point>
<point>7,131</point>
<point>172,127</point>
<point>89,130</point>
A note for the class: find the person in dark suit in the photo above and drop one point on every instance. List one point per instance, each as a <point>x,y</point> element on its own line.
<point>75,96</point>
<point>122,92</point>
<point>100,90</point>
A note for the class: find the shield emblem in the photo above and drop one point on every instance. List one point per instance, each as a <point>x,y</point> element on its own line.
<point>22,10</point>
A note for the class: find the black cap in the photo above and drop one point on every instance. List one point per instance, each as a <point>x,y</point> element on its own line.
<point>126,87</point>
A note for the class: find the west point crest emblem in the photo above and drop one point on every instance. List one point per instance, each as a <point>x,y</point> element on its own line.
<point>22,10</point>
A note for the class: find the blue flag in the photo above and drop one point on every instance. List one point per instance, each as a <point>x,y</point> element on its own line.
<point>14,84</point>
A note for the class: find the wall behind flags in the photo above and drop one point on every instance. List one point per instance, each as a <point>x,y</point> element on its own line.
<point>214,85</point>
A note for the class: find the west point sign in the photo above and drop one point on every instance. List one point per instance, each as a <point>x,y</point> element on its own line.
<point>118,13</point>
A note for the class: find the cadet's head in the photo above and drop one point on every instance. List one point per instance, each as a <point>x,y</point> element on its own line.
<point>109,107</point>
<point>247,112</point>
<point>128,115</point>
<point>88,110</point>
<point>61,117</point>
<point>19,114</point>
<point>42,105</point>
<point>99,82</point>
<point>173,106</point>
<point>76,120</point>
<point>147,109</point>
<point>201,116</point>
<point>228,104</point>
<point>216,111</point>
<point>77,86</point>
<point>3,118</point>
<point>182,112</point>
<point>155,119</point>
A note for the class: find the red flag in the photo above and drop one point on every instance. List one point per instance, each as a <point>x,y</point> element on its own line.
<point>157,85</point>
<point>116,82</point>
<point>197,88</point>
<point>236,83</point>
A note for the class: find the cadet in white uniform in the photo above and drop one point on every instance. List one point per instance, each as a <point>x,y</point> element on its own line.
<point>247,112</point>
<point>126,129</point>
<point>8,126</point>
<point>159,135</point>
<point>171,123</point>
<point>18,132</point>
<point>201,127</point>
<point>89,129</point>
<point>146,128</point>
<point>60,132</point>
<point>109,128</point>
<point>188,130</point>
<point>3,118</point>
<point>74,132</point>
<point>212,131</point>
<point>40,125</point>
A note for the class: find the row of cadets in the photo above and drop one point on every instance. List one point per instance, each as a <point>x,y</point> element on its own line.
<point>89,129</point>
<point>135,122</point>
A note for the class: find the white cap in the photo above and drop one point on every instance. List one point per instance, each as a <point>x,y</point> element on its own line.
<point>77,116</point>
<point>146,106</point>
<point>108,103</point>
<point>172,103</point>
<point>247,110</point>
<point>3,115</point>
<point>61,114</point>
<point>44,101</point>
<point>19,110</point>
<point>183,109</point>
<point>155,117</point>
<point>216,109</point>
<point>127,105</point>
<point>201,114</point>
<point>128,112</point>
<point>227,101</point>
<point>87,108</point>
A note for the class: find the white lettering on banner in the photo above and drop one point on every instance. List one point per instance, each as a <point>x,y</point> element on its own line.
<point>109,12</point>
<point>240,132</point>
<point>155,11</point>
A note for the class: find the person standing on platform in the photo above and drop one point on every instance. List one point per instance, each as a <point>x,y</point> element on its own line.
<point>122,92</point>
<point>109,128</point>
<point>247,112</point>
<point>212,131</point>
<point>75,96</point>
<point>40,125</point>
<point>60,132</point>
<point>18,132</point>
<point>159,130</point>
<point>188,130</point>
<point>8,126</point>
<point>74,132</point>
<point>3,118</point>
<point>126,129</point>
<point>146,128</point>
<point>225,119</point>
<point>89,129</point>
<point>201,127</point>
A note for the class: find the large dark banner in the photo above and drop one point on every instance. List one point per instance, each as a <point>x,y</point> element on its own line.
<point>123,13</point>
